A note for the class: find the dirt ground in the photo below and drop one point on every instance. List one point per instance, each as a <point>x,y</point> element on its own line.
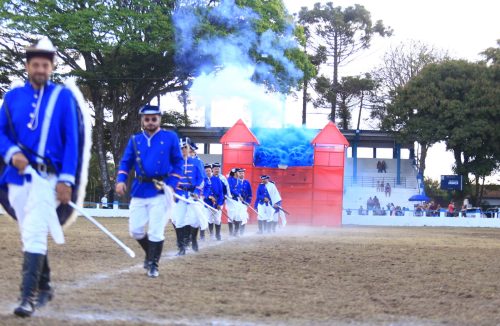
<point>299,276</point>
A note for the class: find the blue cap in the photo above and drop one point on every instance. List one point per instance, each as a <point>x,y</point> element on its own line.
<point>216,165</point>
<point>264,177</point>
<point>208,166</point>
<point>150,109</point>
<point>185,142</point>
<point>193,146</point>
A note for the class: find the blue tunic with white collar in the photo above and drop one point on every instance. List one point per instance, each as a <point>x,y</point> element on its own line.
<point>46,122</point>
<point>160,157</point>
<point>191,180</point>
<point>213,187</point>
<point>262,193</point>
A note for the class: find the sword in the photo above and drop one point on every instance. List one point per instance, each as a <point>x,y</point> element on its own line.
<point>129,251</point>
<point>248,205</point>
<point>283,210</point>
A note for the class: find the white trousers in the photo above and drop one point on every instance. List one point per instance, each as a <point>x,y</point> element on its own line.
<point>32,222</point>
<point>237,211</point>
<point>265,212</point>
<point>151,211</point>
<point>194,215</point>
<point>214,217</point>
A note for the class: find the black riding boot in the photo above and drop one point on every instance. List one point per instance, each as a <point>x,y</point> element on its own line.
<point>45,291</point>
<point>202,235</point>
<point>187,236</point>
<point>194,238</point>
<point>32,268</point>
<point>154,254</point>
<point>260,226</point>
<point>236,228</point>
<point>180,241</point>
<point>217,232</point>
<point>230,226</point>
<point>144,242</point>
<point>211,230</point>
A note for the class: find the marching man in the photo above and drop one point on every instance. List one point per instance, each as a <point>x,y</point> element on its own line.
<point>214,197</point>
<point>188,217</point>
<point>243,190</point>
<point>225,192</point>
<point>45,142</point>
<point>232,200</point>
<point>263,204</point>
<point>156,156</point>
<point>269,203</point>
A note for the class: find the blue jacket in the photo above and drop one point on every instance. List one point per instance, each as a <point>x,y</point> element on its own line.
<point>54,138</point>
<point>261,194</point>
<point>243,189</point>
<point>160,157</point>
<point>191,180</point>
<point>214,187</point>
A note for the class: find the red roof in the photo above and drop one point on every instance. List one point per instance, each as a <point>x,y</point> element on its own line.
<point>239,133</point>
<point>330,134</point>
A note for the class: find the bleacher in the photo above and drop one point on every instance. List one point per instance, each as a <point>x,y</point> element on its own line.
<point>357,192</point>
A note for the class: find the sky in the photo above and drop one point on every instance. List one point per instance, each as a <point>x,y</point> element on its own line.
<point>462,28</point>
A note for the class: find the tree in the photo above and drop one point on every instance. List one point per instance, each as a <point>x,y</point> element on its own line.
<point>456,102</point>
<point>400,65</point>
<point>353,90</point>
<point>343,33</point>
<point>316,60</point>
<point>123,53</point>
<point>492,55</point>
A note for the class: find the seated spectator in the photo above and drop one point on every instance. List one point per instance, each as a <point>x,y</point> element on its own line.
<point>361,210</point>
<point>388,190</point>
<point>369,204</point>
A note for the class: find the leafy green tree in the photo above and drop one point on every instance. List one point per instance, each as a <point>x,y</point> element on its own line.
<point>353,92</point>
<point>343,32</point>
<point>122,52</point>
<point>456,102</point>
<point>492,55</point>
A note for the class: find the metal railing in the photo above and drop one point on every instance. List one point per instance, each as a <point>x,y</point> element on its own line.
<point>370,181</point>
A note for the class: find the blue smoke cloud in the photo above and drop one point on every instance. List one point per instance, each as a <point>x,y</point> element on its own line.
<point>288,146</point>
<point>221,62</point>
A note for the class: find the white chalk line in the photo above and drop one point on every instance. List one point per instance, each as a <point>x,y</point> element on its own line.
<point>168,256</point>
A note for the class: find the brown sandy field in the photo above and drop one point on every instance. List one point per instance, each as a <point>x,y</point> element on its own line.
<point>299,276</point>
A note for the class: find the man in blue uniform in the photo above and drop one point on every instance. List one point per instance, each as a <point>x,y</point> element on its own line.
<point>272,203</point>
<point>232,204</point>
<point>214,197</point>
<point>243,190</point>
<point>155,155</point>
<point>263,204</point>
<point>187,216</point>
<point>225,187</point>
<point>40,124</point>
